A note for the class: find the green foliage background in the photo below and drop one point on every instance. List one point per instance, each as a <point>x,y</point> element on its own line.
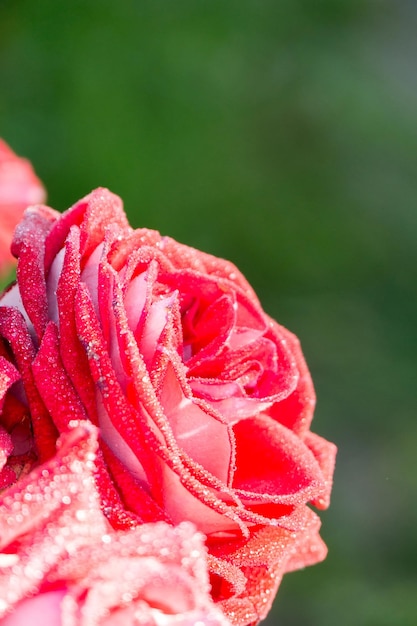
<point>281,135</point>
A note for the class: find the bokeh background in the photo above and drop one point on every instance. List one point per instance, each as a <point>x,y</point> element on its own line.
<point>281,135</point>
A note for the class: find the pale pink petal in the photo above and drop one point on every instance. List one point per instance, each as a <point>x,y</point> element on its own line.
<point>42,609</point>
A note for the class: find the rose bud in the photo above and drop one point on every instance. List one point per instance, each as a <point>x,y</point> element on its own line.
<point>61,563</point>
<point>19,187</point>
<point>203,402</point>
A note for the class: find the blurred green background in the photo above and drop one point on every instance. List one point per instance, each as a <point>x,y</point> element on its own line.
<point>283,136</point>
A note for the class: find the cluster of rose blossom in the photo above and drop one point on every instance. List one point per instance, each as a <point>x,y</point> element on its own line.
<point>156,458</point>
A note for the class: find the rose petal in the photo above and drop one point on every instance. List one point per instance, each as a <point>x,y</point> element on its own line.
<point>53,383</point>
<point>14,330</point>
<point>273,464</point>
<point>296,410</point>
<point>325,453</point>
<point>28,245</point>
<point>72,352</point>
<point>8,375</point>
<point>203,437</point>
<point>44,608</point>
<point>94,213</point>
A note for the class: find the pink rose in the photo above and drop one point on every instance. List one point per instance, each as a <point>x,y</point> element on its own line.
<point>61,563</point>
<point>203,402</point>
<point>19,187</point>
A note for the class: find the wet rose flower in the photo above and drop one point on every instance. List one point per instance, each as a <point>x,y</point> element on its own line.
<point>19,187</point>
<point>203,402</point>
<point>61,563</point>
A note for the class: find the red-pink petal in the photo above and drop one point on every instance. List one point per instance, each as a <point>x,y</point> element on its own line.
<point>296,410</point>
<point>273,464</point>
<point>53,384</point>
<point>93,214</point>
<point>72,352</point>
<point>14,330</point>
<point>203,437</point>
<point>325,453</point>
<point>28,246</point>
